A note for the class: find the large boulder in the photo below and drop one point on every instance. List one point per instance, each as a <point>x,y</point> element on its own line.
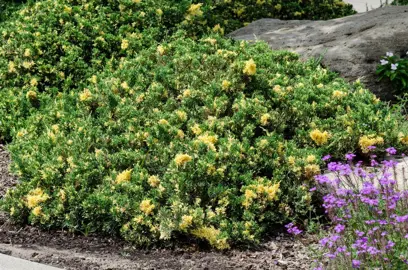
<point>351,46</point>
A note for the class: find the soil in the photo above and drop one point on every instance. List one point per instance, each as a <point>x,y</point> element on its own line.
<point>70,251</point>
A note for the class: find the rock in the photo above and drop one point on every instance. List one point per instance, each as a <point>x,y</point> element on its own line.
<point>351,46</point>
<point>5,252</point>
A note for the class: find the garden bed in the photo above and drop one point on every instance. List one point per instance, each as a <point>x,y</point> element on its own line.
<point>69,251</point>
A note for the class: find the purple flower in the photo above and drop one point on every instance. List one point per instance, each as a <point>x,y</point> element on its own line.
<point>389,54</point>
<point>330,202</point>
<point>394,66</point>
<point>369,189</point>
<point>327,157</point>
<point>401,219</point>
<point>359,233</point>
<point>356,264</point>
<point>382,222</point>
<point>323,242</point>
<point>322,179</point>
<point>373,250</point>
<point>333,166</point>
<point>343,169</point>
<point>330,256</point>
<point>383,62</point>
<point>360,171</point>
<point>361,243</point>
<point>312,189</point>
<point>378,196</point>
<point>386,179</point>
<point>350,156</point>
<point>341,249</point>
<point>335,237</point>
<point>391,150</point>
<point>373,163</point>
<point>339,228</point>
<point>389,163</point>
<point>372,175</point>
<point>369,201</point>
<point>370,232</point>
<point>369,222</point>
<point>292,229</point>
<point>389,245</point>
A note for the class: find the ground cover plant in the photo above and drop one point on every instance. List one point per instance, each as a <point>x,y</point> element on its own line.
<point>131,121</point>
<point>369,213</point>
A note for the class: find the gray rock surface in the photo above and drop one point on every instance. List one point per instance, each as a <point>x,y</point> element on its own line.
<point>11,263</point>
<point>351,46</point>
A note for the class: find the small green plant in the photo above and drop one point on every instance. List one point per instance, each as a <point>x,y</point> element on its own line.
<point>396,70</point>
<point>399,2</point>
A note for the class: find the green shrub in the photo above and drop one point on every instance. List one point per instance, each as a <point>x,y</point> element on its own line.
<point>7,9</point>
<point>53,46</point>
<point>231,15</point>
<point>122,127</point>
<point>211,139</point>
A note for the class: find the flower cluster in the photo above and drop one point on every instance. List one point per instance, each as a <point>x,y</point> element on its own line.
<point>319,137</point>
<point>369,215</point>
<point>367,142</point>
<point>395,69</point>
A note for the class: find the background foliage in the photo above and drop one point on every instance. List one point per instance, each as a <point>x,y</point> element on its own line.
<point>232,15</point>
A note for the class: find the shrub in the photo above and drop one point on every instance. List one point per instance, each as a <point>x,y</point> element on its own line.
<point>369,216</point>
<point>7,9</point>
<point>212,139</point>
<point>53,46</point>
<point>396,70</point>
<point>232,15</point>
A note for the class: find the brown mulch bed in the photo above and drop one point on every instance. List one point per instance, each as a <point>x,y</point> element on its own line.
<point>69,251</point>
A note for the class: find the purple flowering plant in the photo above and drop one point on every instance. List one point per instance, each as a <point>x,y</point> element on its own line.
<point>395,69</point>
<point>368,211</point>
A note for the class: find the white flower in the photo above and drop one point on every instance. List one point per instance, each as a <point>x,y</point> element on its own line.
<point>383,62</point>
<point>394,66</point>
<point>389,54</point>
